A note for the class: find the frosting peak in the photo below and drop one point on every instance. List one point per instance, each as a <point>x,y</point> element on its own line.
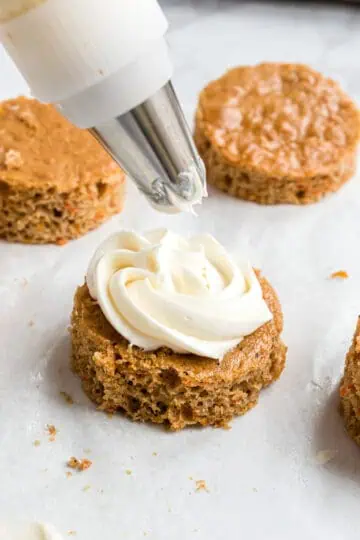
<point>162,290</point>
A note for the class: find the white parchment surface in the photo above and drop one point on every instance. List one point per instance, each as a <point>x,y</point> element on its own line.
<point>286,470</point>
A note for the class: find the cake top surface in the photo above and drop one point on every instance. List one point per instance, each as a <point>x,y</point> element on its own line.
<point>40,149</point>
<point>279,119</point>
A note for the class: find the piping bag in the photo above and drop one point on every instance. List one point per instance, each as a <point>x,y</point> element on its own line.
<point>105,65</point>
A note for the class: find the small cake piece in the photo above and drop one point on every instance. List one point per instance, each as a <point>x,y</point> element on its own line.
<point>173,331</point>
<point>277,133</point>
<point>350,388</point>
<point>56,182</point>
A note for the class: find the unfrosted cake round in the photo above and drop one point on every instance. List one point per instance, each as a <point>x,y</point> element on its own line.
<point>56,182</point>
<point>172,331</point>
<point>277,133</point>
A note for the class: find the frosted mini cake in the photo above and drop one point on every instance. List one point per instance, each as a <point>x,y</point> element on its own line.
<point>172,330</point>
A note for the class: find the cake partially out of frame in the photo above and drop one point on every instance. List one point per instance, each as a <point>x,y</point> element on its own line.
<point>350,388</point>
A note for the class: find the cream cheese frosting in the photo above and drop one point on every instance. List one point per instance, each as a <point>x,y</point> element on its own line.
<point>162,290</point>
<point>179,198</point>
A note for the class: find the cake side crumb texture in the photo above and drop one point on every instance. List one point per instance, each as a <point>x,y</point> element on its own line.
<point>56,182</point>
<point>350,388</point>
<point>166,387</point>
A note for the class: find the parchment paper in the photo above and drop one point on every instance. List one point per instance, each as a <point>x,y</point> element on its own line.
<point>285,470</point>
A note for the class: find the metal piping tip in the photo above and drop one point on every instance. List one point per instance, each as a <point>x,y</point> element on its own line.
<point>188,191</point>
<point>154,146</point>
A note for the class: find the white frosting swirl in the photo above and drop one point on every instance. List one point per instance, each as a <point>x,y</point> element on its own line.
<point>160,290</point>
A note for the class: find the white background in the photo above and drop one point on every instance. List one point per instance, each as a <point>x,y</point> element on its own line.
<point>263,475</point>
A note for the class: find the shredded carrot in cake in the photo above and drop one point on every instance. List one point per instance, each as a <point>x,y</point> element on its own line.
<point>61,242</point>
<point>345,390</point>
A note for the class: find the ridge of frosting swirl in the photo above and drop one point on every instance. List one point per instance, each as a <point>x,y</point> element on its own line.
<point>162,290</point>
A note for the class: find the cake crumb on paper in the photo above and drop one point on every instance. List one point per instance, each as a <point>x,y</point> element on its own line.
<point>324,456</point>
<point>86,488</point>
<point>36,443</point>
<point>154,453</point>
<point>339,274</point>
<point>52,431</point>
<point>128,472</point>
<point>201,486</point>
<point>71,533</point>
<point>68,474</point>
<point>79,464</point>
<point>69,400</point>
